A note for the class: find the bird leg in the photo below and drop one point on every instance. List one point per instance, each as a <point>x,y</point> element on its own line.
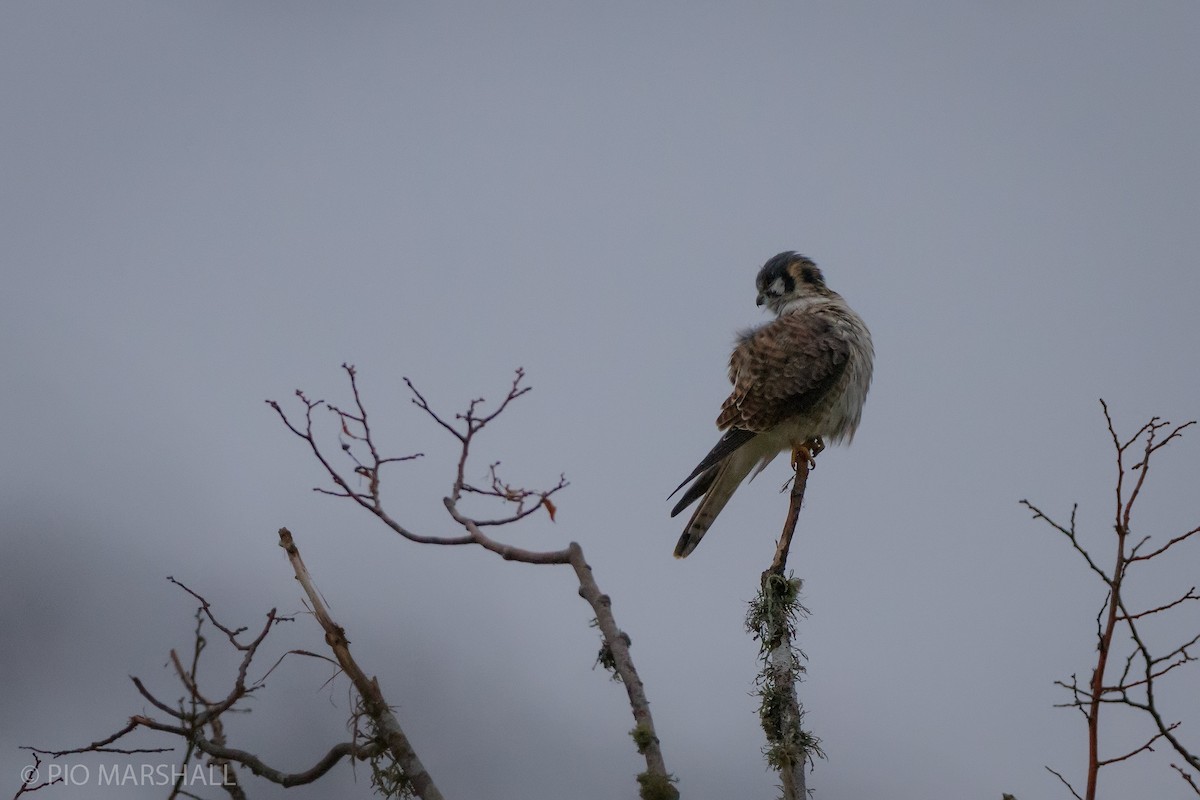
<point>805,454</point>
<point>808,452</point>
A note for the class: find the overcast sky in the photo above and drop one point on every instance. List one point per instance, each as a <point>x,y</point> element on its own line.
<point>209,204</point>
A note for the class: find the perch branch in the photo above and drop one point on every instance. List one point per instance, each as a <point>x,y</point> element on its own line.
<point>772,619</point>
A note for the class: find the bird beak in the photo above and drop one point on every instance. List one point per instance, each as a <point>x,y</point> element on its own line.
<point>760,300</point>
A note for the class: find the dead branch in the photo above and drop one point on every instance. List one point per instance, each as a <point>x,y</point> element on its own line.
<point>464,427</point>
<point>198,722</point>
<point>197,719</point>
<point>1065,783</point>
<point>1133,688</point>
<point>384,722</point>
<point>31,778</point>
<point>356,428</point>
<point>1187,777</point>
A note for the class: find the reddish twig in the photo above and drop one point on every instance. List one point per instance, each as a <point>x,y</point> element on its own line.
<point>1133,689</point>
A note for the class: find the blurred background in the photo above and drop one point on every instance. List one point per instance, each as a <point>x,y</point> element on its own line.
<point>207,205</point>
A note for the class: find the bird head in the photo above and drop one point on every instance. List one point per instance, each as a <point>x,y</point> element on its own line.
<point>787,278</point>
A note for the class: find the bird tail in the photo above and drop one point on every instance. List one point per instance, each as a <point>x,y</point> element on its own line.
<point>729,475</point>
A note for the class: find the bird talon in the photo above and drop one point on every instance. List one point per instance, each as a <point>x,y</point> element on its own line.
<point>807,452</point>
<point>802,455</point>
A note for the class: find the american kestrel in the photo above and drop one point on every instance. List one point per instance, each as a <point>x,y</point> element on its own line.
<point>803,375</point>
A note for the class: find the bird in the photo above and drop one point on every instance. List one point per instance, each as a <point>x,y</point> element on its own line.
<point>802,376</point>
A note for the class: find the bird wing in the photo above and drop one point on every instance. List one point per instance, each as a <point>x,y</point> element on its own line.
<point>782,369</point>
<point>778,370</point>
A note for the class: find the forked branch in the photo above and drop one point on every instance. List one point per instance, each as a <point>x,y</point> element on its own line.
<point>197,720</point>
<point>359,446</point>
<point>1135,685</point>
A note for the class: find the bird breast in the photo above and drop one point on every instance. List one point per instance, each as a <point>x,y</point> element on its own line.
<point>844,410</point>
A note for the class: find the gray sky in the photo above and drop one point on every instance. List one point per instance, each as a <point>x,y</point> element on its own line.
<point>209,204</point>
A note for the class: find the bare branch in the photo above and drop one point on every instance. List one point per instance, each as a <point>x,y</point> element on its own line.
<point>1133,688</point>
<point>1183,537</point>
<point>102,745</point>
<point>1071,535</point>
<point>1186,777</point>
<point>385,723</point>
<point>617,643</point>
<point>419,401</point>
<point>1065,783</point>
<point>30,775</point>
<point>253,762</point>
<point>197,712</point>
<point>464,427</point>
<point>1148,746</point>
<point>506,551</point>
<point>1189,595</point>
<point>369,500</point>
<point>232,634</point>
